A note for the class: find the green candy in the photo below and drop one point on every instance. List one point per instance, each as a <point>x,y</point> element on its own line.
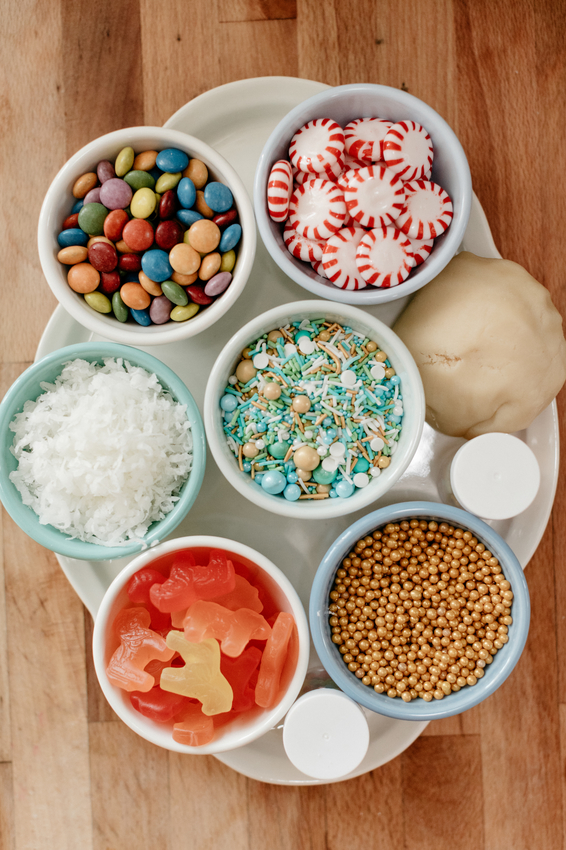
<point>119,308</point>
<point>322,476</point>
<point>91,219</point>
<point>175,293</point>
<point>139,180</point>
<point>167,181</point>
<point>98,301</point>
<point>279,449</point>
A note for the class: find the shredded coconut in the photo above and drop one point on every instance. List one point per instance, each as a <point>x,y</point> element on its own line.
<point>103,452</point>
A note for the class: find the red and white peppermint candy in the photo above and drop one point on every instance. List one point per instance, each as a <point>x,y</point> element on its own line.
<point>301,177</point>
<point>279,190</point>
<point>301,247</point>
<point>317,145</point>
<point>375,196</point>
<point>319,268</point>
<point>428,210</point>
<point>384,257</point>
<point>339,258</point>
<point>352,162</point>
<point>317,209</point>
<point>407,149</point>
<point>421,249</point>
<point>364,138</point>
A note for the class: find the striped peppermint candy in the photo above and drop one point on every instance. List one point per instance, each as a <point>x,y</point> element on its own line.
<point>279,190</point>
<point>407,149</point>
<point>301,247</point>
<point>317,145</point>
<point>427,212</point>
<point>300,177</point>
<point>352,162</point>
<point>319,268</point>
<point>375,195</point>
<point>317,209</point>
<point>364,138</point>
<point>384,257</point>
<point>421,249</point>
<point>339,258</point>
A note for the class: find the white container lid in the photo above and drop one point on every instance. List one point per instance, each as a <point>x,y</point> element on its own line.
<point>495,476</point>
<point>326,734</point>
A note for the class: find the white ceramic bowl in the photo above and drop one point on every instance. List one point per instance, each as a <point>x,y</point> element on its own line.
<point>413,419</point>
<point>57,206</point>
<point>344,103</point>
<point>248,727</point>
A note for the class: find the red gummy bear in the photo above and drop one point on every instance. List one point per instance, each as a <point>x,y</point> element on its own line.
<point>138,646</point>
<point>273,659</point>
<point>232,628</point>
<point>188,581</point>
<point>138,591</point>
<point>239,671</point>
<point>159,705</point>
<point>195,729</point>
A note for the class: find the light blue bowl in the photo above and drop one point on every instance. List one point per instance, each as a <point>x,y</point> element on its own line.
<point>344,103</point>
<point>28,386</point>
<point>495,673</point>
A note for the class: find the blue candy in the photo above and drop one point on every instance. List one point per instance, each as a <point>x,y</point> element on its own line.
<point>141,317</point>
<point>362,465</point>
<point>259,477</point>
<point>323,476</point>
<point>72,236</point>
<point>292,477</point>
<point>186,192</point>
<point>292,492</point>
<point>156,265</point>
<point>188,217</point>
<point>230,239</point>
<point>344,489</point>
<point>172,160</point>
<point>273,482</point>
<point>218,197</point>
<point>228,402</point>
<point>247,466</point>
<point>77,206</point>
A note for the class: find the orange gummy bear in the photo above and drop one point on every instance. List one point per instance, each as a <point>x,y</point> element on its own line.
<point>232,628</point>
<point>273,659</point>
<point>195,729</point>
<point>244,595</point>
<point>200,678</point>
<point>138,646</point>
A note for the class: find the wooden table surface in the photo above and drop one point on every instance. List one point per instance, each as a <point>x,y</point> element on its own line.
<point>72,775</point>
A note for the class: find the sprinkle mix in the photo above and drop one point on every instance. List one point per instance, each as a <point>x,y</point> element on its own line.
<point>418,609</point>
<point>313,411</point>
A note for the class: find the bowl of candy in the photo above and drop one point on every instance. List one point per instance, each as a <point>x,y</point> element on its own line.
<point>419,611</point>
<point>201,645</point>
<point>362,194</point>
<point>103,451</point>
<point>146,236</point>
<point>314,410</point>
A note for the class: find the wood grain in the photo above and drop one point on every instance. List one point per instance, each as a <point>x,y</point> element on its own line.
<point>71,775</point>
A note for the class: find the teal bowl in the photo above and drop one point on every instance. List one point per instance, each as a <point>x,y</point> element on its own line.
<point>28,387</point>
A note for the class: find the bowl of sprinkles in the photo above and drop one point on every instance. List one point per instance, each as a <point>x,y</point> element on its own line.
<point>419,611</point>
<point>313,411</point>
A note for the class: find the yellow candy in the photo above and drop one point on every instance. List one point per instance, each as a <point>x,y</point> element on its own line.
<point>98,301</point>
<point>167,181</point>
<point>124,161</point>
<point>200,678</point>
<point>181,314</point>
<point>143,203</point>
<point>228,260</point>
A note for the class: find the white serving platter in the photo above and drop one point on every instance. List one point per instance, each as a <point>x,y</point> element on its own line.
<point>237,119</point>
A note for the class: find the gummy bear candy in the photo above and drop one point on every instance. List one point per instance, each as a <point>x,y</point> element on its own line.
<point>138,591</point>
<point>155,668</point>
<point>273,659</point>
<point>195,729</point>
<point>244,595</point>
<point>159,705</point>
<point>138,646</point>
<point>239,671</point>
<point>232,628</point>
<point>188,581</point>
<point>200,677</point>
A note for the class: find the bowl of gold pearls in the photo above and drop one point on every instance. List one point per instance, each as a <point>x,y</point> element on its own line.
<point>419,611</point>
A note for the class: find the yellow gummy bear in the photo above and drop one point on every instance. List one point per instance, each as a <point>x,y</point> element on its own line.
<point>200,678</point>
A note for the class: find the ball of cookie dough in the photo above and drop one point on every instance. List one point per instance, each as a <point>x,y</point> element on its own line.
<point>489,346</point>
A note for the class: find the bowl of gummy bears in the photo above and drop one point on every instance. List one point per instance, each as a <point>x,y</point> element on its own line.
<point>201,645</point>
<point>362,194</point>
<point>146,236</point>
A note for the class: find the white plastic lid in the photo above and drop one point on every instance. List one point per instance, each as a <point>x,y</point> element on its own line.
<point>495,476</point>
<point>326,734</point>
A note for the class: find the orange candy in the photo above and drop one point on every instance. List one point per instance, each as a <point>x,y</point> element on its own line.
<point>232,628</point>
<point>135,296</point>
<point>138,646</point>
<point>273,660</point>
<point>83,278</point>
<point>203,236</point>
<point>195,729</point>
<point>114,224</point>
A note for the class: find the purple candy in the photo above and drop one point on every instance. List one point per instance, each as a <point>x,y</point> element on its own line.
<point>218,283</point>
<point>115,194</point>
<point>93,197</point>
<point>160,310</point>
<point>105,171</point>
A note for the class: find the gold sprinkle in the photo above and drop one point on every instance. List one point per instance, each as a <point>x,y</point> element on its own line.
<point>317,496</point>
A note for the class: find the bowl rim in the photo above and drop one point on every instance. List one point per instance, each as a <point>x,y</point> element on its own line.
<point>134,334</point>
<point>328,508</point>
<point>265,721</point>
<point>434,264</point>
<point>56,540</point>
<point>418,710</point>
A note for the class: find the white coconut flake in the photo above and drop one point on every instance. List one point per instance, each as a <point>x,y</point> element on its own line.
<point>103,452</point>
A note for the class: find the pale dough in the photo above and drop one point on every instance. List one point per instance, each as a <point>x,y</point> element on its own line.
<point>489,346</point>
